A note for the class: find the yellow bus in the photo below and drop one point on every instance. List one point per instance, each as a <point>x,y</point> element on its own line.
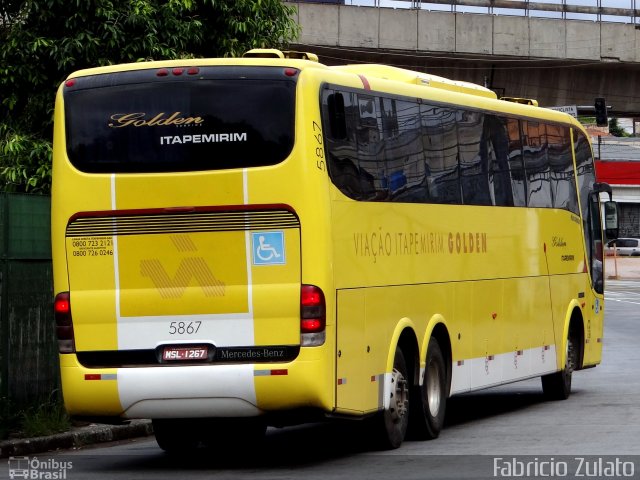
<point>268,240</point>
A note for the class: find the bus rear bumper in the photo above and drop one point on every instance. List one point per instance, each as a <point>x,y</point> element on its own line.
<point>188,392</point>
<point>194,391</point>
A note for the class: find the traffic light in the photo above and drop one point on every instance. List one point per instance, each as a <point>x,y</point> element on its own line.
<point>601,112</point>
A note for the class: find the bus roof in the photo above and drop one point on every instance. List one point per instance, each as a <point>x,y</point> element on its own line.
<point>306,60</point>
<point>409,76</point>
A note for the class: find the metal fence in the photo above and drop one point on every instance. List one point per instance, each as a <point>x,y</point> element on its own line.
<point>28,350</point>
<point>617,148</point>
<point>621,11</point>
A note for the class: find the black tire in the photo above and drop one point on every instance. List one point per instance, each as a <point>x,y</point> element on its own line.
<point>186,436</point>
<point>430,399</point>
<point>227,435</point>
<point>175,436</point>
<point>557,386</point>
<point>390,426</point>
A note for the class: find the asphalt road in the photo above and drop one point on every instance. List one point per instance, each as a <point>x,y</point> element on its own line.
<point>497,433</point>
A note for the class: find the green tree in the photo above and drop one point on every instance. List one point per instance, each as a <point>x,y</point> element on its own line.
<point>42,41</point>
<point>615,129</point>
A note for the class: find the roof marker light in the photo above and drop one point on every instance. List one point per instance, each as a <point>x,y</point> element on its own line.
<point>163,72</point>
<point>177,71</point>
<point>193,71</point>
<point>70,83</point>
<point>290,72</point>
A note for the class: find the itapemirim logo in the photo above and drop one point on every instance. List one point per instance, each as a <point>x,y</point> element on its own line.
<point>36,469</point>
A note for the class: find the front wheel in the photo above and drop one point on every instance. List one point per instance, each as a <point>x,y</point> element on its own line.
<point>428,409</point>
<point>557,386</point>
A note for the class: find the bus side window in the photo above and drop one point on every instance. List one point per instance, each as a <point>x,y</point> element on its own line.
<point>474,167</point>
<point>495,145</point>
<point>342,157</point>
<point>440,141</point>
<point>337,117</point>
<point>370,148</point>
<point>404,151</point>
<point>563,184</point>
<point>516,164</point>
<point>537,165</point>
<point>590,209</point>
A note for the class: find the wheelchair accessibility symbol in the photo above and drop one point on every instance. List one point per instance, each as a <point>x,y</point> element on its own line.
<point>268,248</point>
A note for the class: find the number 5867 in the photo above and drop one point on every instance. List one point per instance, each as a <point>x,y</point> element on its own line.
<point>182,328</point>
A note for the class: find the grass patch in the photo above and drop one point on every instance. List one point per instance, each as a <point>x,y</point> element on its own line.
<point>37,420</point>
<point>45,419</point>
<point>9,418</point>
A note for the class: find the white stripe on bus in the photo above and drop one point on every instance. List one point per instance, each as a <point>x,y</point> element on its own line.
<point>188,391</point>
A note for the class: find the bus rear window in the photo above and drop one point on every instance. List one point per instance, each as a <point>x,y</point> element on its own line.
<point>177,125</point>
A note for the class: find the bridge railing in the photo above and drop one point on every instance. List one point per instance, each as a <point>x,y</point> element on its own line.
<point>620,11</point>
<point>617,148</point>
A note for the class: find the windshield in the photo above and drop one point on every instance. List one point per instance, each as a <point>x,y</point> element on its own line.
<point>138,122</point>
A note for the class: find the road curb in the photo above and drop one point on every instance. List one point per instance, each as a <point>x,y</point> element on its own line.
<point>75,438</point>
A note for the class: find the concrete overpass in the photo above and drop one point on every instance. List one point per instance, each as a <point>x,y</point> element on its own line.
<point>558,61</point>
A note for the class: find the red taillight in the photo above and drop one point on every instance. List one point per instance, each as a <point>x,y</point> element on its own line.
<point>64,323</point>
<point>290,72</point>
<point>62,306</point>
<point>312,310</point>
<point>311,325</point>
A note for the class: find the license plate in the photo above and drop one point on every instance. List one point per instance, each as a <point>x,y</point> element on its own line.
<point>185,353</point>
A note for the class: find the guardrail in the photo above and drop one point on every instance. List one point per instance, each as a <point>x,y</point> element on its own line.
<point>617,148</point>
<point>594,10</point>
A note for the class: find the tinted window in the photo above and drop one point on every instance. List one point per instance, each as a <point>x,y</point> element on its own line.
<point>370,147</point>
<point>563,183</point>
<point>590,208</point>
<point>343,164</point>
<point>536,163</point>
<point>205,124</point>
<point>440,140</point>
<point>474,164</point>
<point>403,150</point>
<point>495,147</point>
<point>584,168</point>
<point>516,163</point>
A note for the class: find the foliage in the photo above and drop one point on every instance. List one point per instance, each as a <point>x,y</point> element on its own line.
<point>25,161</point>
<point>44,419</point>
<point>38,419</point>
<point>42,41</point>
<point>233,27</point>
<point>9,418</point>
<point>615,129</point>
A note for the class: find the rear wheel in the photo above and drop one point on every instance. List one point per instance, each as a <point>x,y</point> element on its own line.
<point>183,436</point>
<point>557,386</point>
<point>230,434</point>
<point>428,408</point>
<point>390,426</point>
<point>175,436</point>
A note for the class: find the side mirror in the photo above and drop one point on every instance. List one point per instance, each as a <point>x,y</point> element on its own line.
<point>611,219</point>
